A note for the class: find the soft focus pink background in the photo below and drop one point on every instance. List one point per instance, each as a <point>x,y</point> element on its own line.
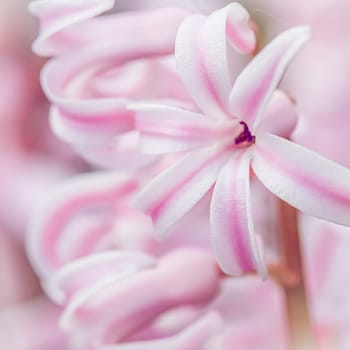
<point>32,160</point>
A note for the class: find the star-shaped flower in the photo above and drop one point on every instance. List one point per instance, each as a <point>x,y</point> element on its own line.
<point>240,130</point>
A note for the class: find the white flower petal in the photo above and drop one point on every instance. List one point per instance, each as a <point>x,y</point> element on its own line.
<point>302,178</point>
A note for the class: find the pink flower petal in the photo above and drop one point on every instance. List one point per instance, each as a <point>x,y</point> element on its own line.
<point>82,113</point>
<point>122,154</point>
<point>95,270</point>
<point>176,190</point>
<point>63,205</point>
<point>233,237</point>
<point>256,84</point>
<point>169,129</point>
<point>56,15</point>
<point>201,55</point>
<point>67,25</point>
<point>93,123</point>
<point>91,310</point>
<point>302,178</point>
<point>193,337</point>
<point>280,117</point>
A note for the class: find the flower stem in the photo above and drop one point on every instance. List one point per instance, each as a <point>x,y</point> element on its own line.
<point>291,279</point>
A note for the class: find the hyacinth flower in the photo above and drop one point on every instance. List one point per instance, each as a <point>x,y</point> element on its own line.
<point>242,129</point>
<point>91,84</point>
<point>90,286</point>
<point>87,235</point>
<point>80,241</point>
<point>82,217</point>
<point>194,308</point>
<point>235,136</point>
<point>70,258</point>
<point>96,75</point>
<point>91,213</point>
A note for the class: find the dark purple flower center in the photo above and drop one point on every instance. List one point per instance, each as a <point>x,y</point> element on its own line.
<point>245,136</point>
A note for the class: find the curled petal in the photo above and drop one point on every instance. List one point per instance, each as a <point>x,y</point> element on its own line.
<point>76,83</point>
<point>97,270</point>
<point>169,129</point>
<point>257,82</point>
<point>192,337</point>
<point>302,178</point>
<point>201,55</point>
<point>280,117</point>
<point>175,191</point>
<point>92,307</point>
<point>233,236</point>
<point>122,154</point>
<point>69,200</point>
<point>56,15</point>
<point>67,25</point>
<point>93,123</point>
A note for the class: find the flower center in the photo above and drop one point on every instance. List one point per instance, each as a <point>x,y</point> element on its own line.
<point>245,138</point>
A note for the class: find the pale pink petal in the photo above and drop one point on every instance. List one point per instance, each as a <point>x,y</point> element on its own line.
<point>56,15</point>
<point>235,243</point>
<point>92,311</point>
<point>256,84</point>
<point>121,154</point>
<point>280,117</point>
<point>67,25</point>
<point>82,192</point>
<point>303,178</point>
<point>167,324</point>
<point>193,337</point>
<point>93,123</point>
<point>202,55</point>
<point>176,190</point>
<point>83,111</point>
<point>166,129</point>
<point>95,269</point>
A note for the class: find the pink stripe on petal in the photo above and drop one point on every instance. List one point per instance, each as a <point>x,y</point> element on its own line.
<point>189,64</point>
<point>65,203</point>
<point>94,269</point>
<point>169,129</point>
<point>257,82</point>
<point>302,178</point>
<point>201,55</point>
<point>56,15</point>
<point>228,24</point>
<point>86,120</point>
<point>174,192</point>
<point>238,29</point>
<point>233,237</point>
<point>195,269</point>
<point>87,128</point>
<point>82,113</point>
<point>84,235</point>
<point>68,25</point>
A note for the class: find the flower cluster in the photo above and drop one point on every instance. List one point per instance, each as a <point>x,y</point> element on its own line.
<point>188,141</point>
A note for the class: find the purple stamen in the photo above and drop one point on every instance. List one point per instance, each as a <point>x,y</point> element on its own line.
<point>245,135</point>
